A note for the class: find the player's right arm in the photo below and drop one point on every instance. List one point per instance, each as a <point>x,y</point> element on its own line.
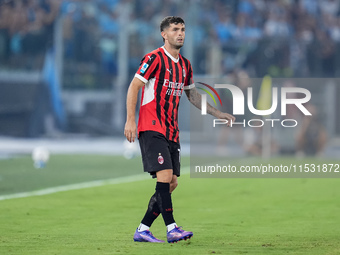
<point>131,102</point>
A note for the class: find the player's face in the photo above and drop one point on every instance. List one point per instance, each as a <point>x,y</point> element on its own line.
<point>175,35</point>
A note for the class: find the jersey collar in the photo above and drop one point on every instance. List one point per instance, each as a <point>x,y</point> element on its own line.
<point>170,56</point>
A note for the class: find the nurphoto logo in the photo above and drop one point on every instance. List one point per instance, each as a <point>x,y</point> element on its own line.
<point>264,107</point>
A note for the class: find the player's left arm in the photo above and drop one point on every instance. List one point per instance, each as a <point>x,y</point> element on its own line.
<point>195,98</point>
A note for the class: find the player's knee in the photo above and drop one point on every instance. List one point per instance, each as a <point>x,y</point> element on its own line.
<point>164,176</point>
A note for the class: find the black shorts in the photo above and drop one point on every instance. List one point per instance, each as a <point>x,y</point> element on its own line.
<point>159,153</point>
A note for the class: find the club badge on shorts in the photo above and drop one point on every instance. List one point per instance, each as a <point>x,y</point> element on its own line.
<point>160,159</point>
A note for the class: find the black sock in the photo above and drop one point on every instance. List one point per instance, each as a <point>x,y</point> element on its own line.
<point>164,202</point>
<point>152,212</point>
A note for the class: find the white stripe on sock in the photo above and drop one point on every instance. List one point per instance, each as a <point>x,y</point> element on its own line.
<point>142,227</point>
<point>171,226</point>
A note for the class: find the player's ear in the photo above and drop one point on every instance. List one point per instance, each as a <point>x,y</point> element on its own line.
<point>163,34</point>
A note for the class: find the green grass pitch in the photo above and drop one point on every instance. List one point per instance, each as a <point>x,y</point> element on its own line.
<point>227,216</point>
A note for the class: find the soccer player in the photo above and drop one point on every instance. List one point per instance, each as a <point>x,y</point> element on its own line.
<point>163,75</point>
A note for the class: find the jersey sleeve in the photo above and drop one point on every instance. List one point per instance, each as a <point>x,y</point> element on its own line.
<point>148,67</point>
<point>189,81</point>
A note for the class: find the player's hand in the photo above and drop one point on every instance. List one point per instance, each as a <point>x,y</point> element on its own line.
<point>130,131</point>
<point>230,118</point>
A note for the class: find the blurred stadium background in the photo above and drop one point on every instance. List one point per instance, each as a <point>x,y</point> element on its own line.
<point>65,65</point>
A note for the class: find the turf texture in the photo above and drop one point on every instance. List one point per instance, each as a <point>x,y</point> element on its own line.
<point>227,216</point>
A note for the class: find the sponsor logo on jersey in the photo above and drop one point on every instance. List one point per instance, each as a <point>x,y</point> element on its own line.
<point>173,85</point>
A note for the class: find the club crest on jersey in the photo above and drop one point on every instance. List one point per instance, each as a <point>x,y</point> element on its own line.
<point>144,67</point>
<point>160,159</point>
<point>184,72</point>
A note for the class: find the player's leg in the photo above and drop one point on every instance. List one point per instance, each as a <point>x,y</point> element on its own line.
<point>143,233</point>
<point>156,157</point>
<point>160,202</point>
<point>173,183</point>
<point>153,209</point>
<point>175,233</point>
<point>163,197</point>
<point>151,214</point>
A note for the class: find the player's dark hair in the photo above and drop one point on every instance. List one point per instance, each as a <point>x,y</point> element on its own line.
<point>165,23</point>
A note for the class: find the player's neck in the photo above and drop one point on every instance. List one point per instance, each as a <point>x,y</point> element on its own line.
<point>173,52</point>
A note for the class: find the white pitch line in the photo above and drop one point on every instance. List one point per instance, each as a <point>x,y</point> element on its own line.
<point>84,185</point>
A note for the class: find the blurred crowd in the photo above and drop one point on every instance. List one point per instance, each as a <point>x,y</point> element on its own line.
<point>297,37</point>
<point>26,30</point>
<point>283,37</point>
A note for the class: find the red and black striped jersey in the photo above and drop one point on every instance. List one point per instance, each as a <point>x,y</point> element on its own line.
<point>165,78</point>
